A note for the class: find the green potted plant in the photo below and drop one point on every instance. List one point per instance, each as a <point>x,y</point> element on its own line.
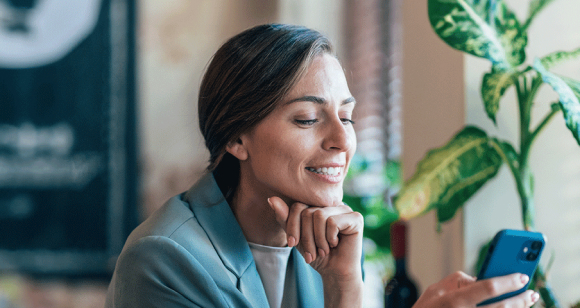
<point>450,175</point>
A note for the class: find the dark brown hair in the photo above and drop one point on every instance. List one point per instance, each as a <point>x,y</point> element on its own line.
<point>246,79</point>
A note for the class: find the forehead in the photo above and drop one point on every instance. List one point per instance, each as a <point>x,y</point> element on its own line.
<point>324,76</point>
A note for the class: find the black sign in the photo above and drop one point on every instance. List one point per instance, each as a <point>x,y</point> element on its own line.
<point>67,134</point>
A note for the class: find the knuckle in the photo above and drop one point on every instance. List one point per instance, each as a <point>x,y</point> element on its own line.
<point>318,215</point>
<point>491,287</point>
<point>359,217</point>
<point>434,290</point>
<point>346,207</point>
<point>295,209</point>
<point>457,275</point>
<point>331,222</point>
<point>305,214</point>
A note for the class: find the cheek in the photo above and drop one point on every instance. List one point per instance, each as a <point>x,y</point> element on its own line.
<point>293,147</point>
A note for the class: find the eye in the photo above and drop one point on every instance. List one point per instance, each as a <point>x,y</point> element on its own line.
<point>306,122</point>
<point>347,121</point>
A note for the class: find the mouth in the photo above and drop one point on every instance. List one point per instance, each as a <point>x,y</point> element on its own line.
<point>330,171</point>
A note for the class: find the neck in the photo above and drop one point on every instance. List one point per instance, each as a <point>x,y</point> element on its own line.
<point>257,220</point>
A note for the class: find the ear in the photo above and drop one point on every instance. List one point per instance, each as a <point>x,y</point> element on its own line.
<point>237,149</point>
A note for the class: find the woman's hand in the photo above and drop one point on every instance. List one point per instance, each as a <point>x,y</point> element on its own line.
<point>462,290</point>
<point>330,240</point>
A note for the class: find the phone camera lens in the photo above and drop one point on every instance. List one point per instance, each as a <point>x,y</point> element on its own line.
<point>536,245</point>
<point>531,256</point>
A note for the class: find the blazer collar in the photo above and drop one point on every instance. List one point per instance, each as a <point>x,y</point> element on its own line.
<point>217,219</point>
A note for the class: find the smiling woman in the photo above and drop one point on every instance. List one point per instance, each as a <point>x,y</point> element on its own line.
<point>262,227</point>
<point>266,226</point>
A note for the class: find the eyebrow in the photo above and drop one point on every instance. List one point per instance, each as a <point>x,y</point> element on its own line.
<point>318,100</point>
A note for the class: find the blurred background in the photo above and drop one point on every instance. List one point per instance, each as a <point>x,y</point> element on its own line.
<point>98,127</point>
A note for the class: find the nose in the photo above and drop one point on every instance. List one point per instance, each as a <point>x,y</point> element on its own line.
<point>338,136</point>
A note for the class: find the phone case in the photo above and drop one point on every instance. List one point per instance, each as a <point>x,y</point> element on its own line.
<point>512,251</point>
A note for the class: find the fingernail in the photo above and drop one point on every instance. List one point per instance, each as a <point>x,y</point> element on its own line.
<point>307,257</point>
<point>269,202</point>
<point>524,278</point>
<point>535,297</point>
<point>291,241</point>
<point>321,253</point>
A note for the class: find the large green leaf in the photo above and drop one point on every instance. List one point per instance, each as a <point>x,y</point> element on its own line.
<point>557,57</point>
<point>494,85</point>
<point>448,176</point>
<point>493,33</point>
<point>569,92</point>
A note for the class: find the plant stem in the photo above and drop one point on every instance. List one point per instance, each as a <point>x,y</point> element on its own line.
<point>526,192</point>
<point>523,176</point>
<point>540,126</point>
<point>525,100</point>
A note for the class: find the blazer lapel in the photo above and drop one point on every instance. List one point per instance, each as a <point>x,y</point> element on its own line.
<point>217,219</point>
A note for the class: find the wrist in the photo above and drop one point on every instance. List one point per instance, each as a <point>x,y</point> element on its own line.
<point>343,291</point>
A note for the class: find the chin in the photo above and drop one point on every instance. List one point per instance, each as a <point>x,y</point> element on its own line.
<point>332,199</point>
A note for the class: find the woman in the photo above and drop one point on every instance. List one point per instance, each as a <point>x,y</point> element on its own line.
<point>266,225</point>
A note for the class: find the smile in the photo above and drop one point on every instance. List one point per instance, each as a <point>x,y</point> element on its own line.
<point>332,171</point>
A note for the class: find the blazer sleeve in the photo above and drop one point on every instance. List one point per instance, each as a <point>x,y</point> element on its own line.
<point>155,271</point>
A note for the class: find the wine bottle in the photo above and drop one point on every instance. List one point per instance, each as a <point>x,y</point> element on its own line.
<point>401,291</point>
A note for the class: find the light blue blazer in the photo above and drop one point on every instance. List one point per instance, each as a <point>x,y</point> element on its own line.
<point>192,253</point>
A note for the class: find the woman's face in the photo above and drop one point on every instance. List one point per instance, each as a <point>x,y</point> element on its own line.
<point>301,151</point>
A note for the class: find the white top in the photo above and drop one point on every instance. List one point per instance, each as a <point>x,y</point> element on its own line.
<point>272,265</point>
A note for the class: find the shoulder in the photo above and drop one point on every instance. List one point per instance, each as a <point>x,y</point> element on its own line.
<point>164,221</point>
<point>171,234</point>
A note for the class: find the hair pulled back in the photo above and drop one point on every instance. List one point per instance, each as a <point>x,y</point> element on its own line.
<point>246,79</point>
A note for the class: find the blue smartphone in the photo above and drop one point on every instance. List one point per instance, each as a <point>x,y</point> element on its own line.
<point>512,251</point>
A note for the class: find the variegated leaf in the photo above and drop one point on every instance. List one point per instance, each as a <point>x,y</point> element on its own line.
<point>472,30</point>
<point>569,93</point>
<point>514,40</point>
<point>494,85</point>
<point>557,57</point>
<point>448,176</point>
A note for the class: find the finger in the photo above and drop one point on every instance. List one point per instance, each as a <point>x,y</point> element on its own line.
<point>348,223</point>
<point>524,300</point>
<point>293,223</point>
<point>307,235</point>
<point>281,210</point>
<point>319,228</point>
<point>320,217</point>
<point>489,288</point>
<point>456,281</point>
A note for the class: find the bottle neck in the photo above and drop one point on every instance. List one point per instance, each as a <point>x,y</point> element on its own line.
<point>400,267</point>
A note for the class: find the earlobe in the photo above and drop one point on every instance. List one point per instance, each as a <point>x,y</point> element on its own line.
<point>237,149</point>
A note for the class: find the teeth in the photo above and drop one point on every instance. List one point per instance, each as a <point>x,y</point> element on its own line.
<point>326,171</point>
